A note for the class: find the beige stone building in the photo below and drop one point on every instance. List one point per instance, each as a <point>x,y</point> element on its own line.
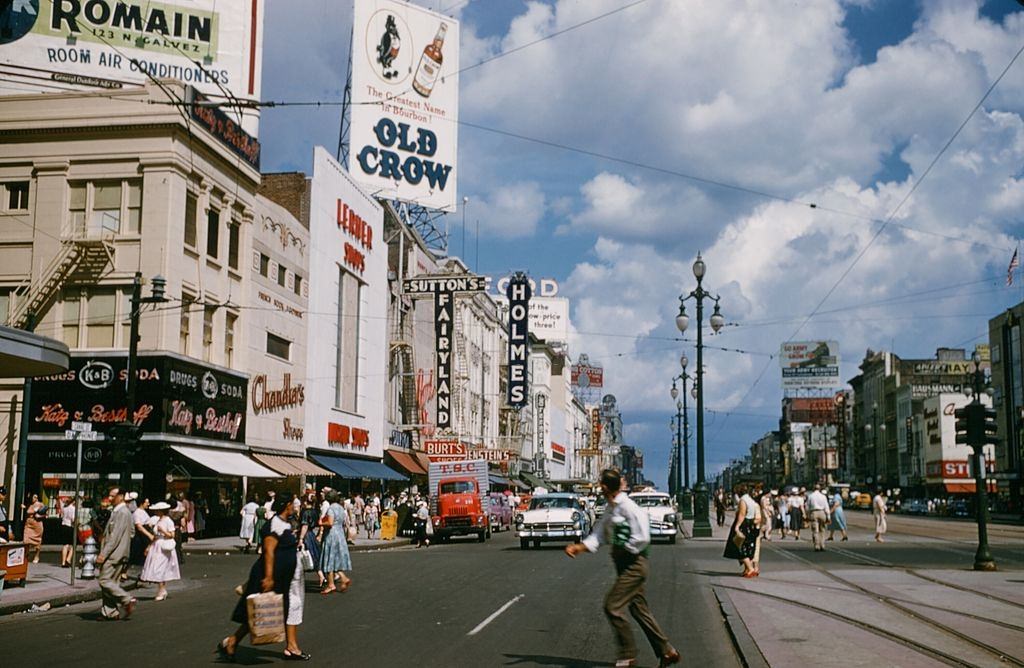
<point>97,187</point>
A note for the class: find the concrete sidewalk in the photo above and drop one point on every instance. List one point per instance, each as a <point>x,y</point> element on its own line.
<point>235,545</point>
<point>809,608</point>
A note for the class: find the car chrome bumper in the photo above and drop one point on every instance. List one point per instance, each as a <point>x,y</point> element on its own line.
<point>666,531</point>
<point>549,534</point>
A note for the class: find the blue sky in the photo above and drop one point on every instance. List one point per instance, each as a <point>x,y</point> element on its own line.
<point>840,103</point>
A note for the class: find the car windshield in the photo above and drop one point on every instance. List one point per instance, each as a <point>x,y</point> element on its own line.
<point>651,501</point>
<point>546,502</point>
<point>458,487</point>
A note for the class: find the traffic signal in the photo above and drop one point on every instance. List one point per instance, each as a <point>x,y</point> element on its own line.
<point>970,424</point>
<point>991,428</point>
<point>125,437</point>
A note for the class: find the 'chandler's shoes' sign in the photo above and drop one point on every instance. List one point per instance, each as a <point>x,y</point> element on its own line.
<point>173,395</point>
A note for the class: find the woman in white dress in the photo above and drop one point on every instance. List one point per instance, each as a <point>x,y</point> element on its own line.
<point>248,523</point>
<point>161,560</point>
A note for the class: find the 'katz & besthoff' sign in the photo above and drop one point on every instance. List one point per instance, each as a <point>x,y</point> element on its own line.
<point>173,396</point>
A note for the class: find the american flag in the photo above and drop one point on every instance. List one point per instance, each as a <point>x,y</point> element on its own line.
<point>1014,264</point>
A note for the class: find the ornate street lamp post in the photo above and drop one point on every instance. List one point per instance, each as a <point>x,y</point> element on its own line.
<point>684,497</point>
<point>701,520</point>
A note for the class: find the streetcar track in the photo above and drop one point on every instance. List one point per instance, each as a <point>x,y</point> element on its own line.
<point>1003,656</point>
<point>918,647</point>
<point>845,590</point>
<point>913,572</point>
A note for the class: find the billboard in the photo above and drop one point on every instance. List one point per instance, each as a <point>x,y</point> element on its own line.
<point>549,317</point>
<point>810,364</point>
<point>812,411</point>
<point>51,46</point>
<point>405,102</point>
<point>585,374</point>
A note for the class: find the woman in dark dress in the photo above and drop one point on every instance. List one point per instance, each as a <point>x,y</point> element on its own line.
<point>748,519</point>
<point>275,570</point>
<point>309,525</point>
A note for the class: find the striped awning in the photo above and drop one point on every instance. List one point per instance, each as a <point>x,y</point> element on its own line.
<point>291,466</point>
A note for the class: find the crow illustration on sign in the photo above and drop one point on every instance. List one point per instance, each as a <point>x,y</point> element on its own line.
<point>387,49</point>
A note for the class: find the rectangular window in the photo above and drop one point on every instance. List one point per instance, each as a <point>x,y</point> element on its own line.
<point>100,314</point>
<point>229,338</point>
<point>212,231</point>
<point>347,379</point>
<point>298,285</point>
<point>191,218</point>
<point>184,329</point>
<point>106,207</point>
<point>264,265</point>
<point>233,231</point>
<point>282,275</point>
<point>278,347</point>
<point>71,318</point>
<point>133,205</point>
<point>208,313</point>
<point>5,305</point>
<point>17,196</point>
<point>78,195</point>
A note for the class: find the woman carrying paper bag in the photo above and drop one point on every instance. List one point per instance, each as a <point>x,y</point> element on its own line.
<point>277,571</point>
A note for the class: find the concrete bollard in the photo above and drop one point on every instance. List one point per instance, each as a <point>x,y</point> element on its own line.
<point>89,553</point>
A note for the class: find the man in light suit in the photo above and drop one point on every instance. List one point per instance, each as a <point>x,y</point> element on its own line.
<point>113,558</point>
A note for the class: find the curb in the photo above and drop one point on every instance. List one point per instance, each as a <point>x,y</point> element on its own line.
<point>746,647</point>
<point>58,601</point>
<point>237,551</point>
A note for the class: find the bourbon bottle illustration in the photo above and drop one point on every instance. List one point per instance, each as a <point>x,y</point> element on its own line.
<point>430,64</point>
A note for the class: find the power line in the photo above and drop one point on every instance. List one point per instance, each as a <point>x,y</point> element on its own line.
<point>889,218</point>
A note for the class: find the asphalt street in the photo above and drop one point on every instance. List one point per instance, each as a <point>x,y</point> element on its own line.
<point>437,607</point>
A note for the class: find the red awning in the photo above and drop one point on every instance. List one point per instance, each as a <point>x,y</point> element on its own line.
<point>406,462</point>
<point>966,487</point>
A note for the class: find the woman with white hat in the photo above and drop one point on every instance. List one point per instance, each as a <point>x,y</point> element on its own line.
<point>422,522</point>
<point>161,560</point>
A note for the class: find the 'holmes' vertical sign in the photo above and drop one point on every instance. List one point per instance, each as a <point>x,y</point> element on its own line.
<point>518,293</point>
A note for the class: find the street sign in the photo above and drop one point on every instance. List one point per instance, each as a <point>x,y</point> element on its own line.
<point>71,435</point>
<point>81,426</point>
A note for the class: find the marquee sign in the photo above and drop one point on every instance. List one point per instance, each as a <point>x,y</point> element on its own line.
<point>518,294</point>
<point>443,289</point>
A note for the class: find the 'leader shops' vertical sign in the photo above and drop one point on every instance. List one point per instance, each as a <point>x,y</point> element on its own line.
<point>443,289</point>
<point>518,293</point>
<point>405,102</point>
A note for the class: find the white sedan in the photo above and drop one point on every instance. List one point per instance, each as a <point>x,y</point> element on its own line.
<point>552,517</point>
<point>661,512</point>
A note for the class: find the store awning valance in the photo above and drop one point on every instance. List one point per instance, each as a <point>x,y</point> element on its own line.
<point>357,469</point>
<point>24,354</point>
<point>226,462</point>
<point>294,466</point>
<point>532,480</point>
<point>966,487</point>
<point>406,462</point>
<point>499,480</point>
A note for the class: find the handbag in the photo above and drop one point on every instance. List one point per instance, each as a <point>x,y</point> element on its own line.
<point>166,544</point>
<point>266,617</point>
<point>351,532</point>
<point>738,538</point>
<point>306,558</point>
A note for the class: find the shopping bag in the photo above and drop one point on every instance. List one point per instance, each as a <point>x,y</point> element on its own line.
<point>306,558</point>
<point>738,538</point>
<point>430,528</point>
<point>266,618</point>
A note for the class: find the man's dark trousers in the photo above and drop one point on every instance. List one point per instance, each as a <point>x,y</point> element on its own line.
<point>628,592</point>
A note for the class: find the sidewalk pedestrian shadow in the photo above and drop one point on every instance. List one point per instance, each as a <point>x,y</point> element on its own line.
<point>247,655</point>
<point>544,660</point>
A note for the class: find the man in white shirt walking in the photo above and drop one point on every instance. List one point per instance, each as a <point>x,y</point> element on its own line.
<point>627,527</point>
<point>817,507</point>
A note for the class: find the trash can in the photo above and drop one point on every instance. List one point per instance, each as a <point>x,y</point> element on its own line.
<point>14,562</point>
<point>388,525</point>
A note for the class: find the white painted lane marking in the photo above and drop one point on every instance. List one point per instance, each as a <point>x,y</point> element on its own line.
<point>494,615</point>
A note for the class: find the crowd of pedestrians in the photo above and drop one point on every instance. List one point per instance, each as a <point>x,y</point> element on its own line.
<point>760,512</point>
